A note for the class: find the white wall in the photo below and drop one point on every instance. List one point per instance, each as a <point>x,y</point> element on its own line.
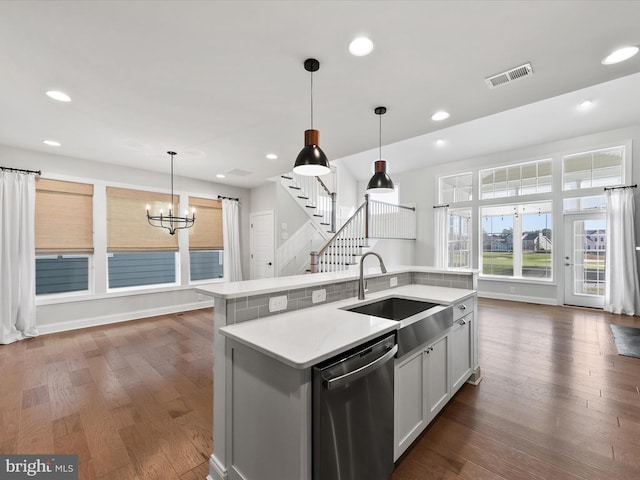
<point>348,198</point>
<point>421,187</point>
<point>55,313</point>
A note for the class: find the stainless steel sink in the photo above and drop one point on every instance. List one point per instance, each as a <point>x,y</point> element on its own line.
<point>421,321</point>
<point>393,308</point>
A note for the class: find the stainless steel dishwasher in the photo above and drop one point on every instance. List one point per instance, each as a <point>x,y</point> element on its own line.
<point>353,413</point>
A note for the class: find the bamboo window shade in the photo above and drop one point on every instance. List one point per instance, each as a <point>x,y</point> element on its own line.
<point>127,227</point>
<point>206,233</point>
<point>63,217</point>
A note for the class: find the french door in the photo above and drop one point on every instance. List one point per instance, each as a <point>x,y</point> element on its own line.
<point>584,259</point>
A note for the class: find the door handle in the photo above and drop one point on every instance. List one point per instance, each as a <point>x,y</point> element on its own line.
<point>567,264</point>
<point>269,263</point>
<point>360,372</point>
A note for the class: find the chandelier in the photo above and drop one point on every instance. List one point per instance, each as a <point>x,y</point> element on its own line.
<point>171,222</point>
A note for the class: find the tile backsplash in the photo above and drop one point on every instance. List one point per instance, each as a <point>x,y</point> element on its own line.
<point>257,306</point>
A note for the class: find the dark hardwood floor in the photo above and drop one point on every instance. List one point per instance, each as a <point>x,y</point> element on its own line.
<point>134,400</point>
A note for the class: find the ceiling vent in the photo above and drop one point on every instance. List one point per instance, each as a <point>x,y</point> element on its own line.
<point>509,76</point>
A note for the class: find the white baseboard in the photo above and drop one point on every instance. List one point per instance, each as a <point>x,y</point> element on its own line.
<point>517,298</point>
<point>216,469</point>
<point>120,317</point>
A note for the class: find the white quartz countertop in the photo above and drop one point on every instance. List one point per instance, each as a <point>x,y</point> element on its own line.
<point>306,337</point>
<point>268,285</point>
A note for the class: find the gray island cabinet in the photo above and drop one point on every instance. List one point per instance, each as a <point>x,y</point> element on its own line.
<point>269,334</point>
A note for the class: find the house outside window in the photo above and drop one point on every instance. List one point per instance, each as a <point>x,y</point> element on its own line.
<point>517,240</point>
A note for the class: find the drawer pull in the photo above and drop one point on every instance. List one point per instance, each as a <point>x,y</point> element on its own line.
<point>462,322</point>
<point>462,307</point>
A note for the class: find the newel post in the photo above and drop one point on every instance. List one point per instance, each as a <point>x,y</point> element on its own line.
<point>366,215</point>
<point>314,262</point>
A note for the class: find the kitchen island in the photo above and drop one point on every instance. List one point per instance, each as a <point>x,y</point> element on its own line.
<point>268,335</point>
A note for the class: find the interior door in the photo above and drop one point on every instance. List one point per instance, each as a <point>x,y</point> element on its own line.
<point>584,259</point>
<point>262,245</point>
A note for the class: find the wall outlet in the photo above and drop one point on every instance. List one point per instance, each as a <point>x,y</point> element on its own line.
<point>278,303</point>
<point>393,282</point>
<point>512,289</point>
<point>318,296</point>
<point>283,226</point>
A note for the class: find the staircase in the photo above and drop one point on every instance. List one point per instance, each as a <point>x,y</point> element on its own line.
<point>343,247</point>
<point>371,221</point>
<point>315,197</point>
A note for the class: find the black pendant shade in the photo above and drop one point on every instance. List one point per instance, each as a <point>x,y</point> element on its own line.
<point>380,182</point>
<point>311,160</point>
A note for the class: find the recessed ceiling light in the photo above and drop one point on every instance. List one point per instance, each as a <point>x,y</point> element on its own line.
<point>51,143</point>
<point>60,96</point>
<point>271,156</point>
<point>441,115</point>
<point>361,46</point>
<point>440,142</point>
<point>585,105</point>
<point>620,55</point>
<point>221,176</point>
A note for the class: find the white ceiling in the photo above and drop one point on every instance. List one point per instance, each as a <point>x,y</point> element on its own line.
<point>222,82</point>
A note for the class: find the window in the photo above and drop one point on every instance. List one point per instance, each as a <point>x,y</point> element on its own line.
<point>514,180</point>
<point>517,240</point>
<point>598,168</point>
<point>205,240</point>
<point>458,240</point>
<point>138,254</point>
<point>63,236</point>
<point>584,204</point>
<point>61,273</point>
<point>455,188</point>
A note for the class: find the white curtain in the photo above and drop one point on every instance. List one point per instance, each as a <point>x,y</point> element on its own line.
<point>440,219</point>
<point>231,239</point>
<point>17,257</point>
<point>621,288</point>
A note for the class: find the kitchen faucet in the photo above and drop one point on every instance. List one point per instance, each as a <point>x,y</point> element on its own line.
<point>361,281</point>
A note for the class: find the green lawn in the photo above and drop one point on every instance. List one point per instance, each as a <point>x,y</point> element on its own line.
<point>501,263</point>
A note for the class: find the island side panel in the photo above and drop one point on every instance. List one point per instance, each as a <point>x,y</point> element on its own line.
<point>218,461</point>
<point>268,417</point>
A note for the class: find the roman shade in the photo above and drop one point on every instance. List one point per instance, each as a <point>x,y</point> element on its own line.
<point>63,217</point>
<point>127,226</point>
<point>206,233</point>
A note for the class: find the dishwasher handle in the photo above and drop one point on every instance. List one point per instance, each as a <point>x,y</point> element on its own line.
<point>360,372</point>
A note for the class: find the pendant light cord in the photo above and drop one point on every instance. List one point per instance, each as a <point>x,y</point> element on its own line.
<point>311,100</point>
<point>170,212</point>
<point>380,138</point>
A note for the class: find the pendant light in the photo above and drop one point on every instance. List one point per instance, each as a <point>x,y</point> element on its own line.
<point>380,182</point>
<point>311,160</point>
<point>171,222</point>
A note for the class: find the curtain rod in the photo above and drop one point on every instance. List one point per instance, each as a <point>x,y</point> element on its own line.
<point>35,172</point>
<point>220,197</point>
<point>620,188</point>
<point>445,205</point>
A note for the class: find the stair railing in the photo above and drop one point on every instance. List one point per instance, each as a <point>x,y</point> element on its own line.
<point>372,219</point>
<point>390,221</point>
<point>336,253</point>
